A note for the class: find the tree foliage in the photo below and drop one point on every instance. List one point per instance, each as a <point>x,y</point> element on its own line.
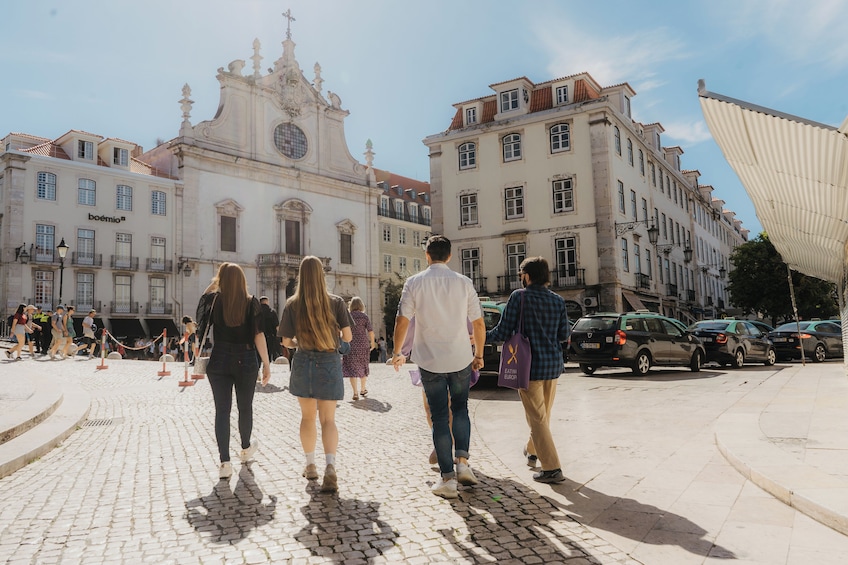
<point>391,290</point>
<point>759,283</point>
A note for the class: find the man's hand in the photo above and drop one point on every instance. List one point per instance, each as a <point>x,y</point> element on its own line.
<point>477,364</point>
<point>398,359</point>
<point>266,374</point>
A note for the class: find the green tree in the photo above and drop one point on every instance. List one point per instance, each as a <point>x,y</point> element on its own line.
<point>758,283</point>
<point>391,290</point>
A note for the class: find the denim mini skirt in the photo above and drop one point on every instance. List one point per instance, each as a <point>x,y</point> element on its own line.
<point>317,374</point>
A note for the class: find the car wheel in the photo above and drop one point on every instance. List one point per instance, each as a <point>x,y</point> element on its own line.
<point>738,359</point>
<point>695,363</point>
<point>771,357</point>
<point>642,364</point>
<point>588,369</point>
<point>819,353</point>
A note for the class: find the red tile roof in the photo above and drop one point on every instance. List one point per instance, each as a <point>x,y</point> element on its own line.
<point>541,99</point>
<point>392,179</point>
<point>490,108</point>
<point>47,149</point>
<point>456,123</point>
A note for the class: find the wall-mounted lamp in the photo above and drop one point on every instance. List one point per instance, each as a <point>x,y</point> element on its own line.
<point>184,267</point>
<point>722,272</point>
<point>21,254</point>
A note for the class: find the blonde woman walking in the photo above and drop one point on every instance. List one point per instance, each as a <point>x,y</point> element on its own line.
<point>355,362</point>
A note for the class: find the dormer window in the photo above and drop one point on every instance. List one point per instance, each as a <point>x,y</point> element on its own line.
<point>120,157</point>
<point>562,94</point>
<point>509,100</point>
<point>85,150</point>
<point>470,116</point>
<point>627,106</point>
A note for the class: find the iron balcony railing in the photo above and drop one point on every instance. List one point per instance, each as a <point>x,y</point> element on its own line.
<point>83,259</point>
<point>643,280</point>
<point>568,278</point>
<point>508,283</point>
<point>160,265</point>
<point>123,307</point>
<point>160,308</point>
<point>124,263</point>
<point>479,284</point>
<point>690,295</point>
<point>405,216</point>
<point>86,307</point>
<point>285,260</point>
<point>671,290</point>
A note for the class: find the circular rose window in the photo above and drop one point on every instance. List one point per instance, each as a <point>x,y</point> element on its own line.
<point>290,140</point>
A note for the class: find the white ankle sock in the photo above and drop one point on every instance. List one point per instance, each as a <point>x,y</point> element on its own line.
<point>310,458</point>
<point>331,458</point>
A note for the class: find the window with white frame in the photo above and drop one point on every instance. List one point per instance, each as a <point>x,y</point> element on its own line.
<point>413,212</point>
<point>387,263</point>
<point>617,139</point>
<point>637,259</point>
<point>653,174</point>
<point>120,156</point>
<point>384,206</point>
<point>514,202</point>
<point>560,138</point>
<point>470,116</point>
<point>157,295</point>
<point>467,155</point>
<point>402,236</point>
<point>509,100</point>
<point>515,255</point>
<point>416,238</point>
<point>44,289</point>
<point>468,209</point>
<point>387,233</point>
<point>123,250</point>
<point>471,263</point>
<point>123,294</point>
<point>645,210</point>
<point>511,147</point>
<point>87,192</point>
<point>46,187</point>
<point>566,257</point>
<point>346,249</point>
<point>157,253</point>
<point>633,209</point>
<point>399,209</point>
<point>648,268</point>
<point>402,265</point>
<point>627,106</point>
<point>85,291</point>
<point>425,214</point>
<point>562,94</point>
<point>621,197</point>
<point>641,162</point>
<point>45,243</point>
<point>85,150</point>
<point>563,193</point>
<point>625,256</point>
<point>416,265</point>
<point>124,197</point>
<point>85,247</point>
<point>630,151</point>
<point>157,202</point>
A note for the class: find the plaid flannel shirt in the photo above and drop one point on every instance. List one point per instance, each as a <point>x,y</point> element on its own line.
<point>545,325</point>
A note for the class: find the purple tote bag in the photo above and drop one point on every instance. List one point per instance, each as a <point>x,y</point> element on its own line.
<point>515,357</point>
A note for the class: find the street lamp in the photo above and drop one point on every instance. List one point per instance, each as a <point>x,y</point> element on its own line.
<point>21,254</point>
<point>62,248</point>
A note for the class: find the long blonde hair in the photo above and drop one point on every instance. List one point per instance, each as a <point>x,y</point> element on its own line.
<point>315,324</point>
<point>231,283</point>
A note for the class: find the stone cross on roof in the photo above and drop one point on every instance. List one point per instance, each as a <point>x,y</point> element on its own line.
<point>287,14</point>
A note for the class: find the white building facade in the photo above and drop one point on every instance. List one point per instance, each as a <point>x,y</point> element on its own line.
<point>560,169</point>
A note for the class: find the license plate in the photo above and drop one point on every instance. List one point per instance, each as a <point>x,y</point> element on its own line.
<point>779,339</point>
<point>587,345</point>
<point>500,348</point>
<point>707,339</point>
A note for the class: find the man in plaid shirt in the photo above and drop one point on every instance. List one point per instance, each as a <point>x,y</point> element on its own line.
<point>546,326</point>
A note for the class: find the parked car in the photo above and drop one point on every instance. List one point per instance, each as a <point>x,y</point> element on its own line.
<point>638,340</point>
<point>734,342</point>
<point>821,339</point>
<point>492,312</point>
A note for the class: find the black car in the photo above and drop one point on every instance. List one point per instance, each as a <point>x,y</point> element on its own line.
<point>821,339</point>
<point>734,342</point>
<point>637,340</point>
<point>492,313</point>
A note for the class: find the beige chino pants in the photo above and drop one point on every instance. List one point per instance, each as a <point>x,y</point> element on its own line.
<point>538,400</point>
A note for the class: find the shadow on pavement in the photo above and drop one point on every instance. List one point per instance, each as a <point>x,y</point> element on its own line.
<point>632,519</point>
<point>229,516</point>
<point>654,375</point>
<point>371,404</point>
<point>270,388</point>
<point>340,529</point>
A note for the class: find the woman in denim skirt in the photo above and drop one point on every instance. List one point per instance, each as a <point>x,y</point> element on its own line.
<point>239,343</point>
<point>312,322</point>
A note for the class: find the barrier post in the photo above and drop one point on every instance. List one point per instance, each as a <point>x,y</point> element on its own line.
<point>164,372</point>
<point>102,364</point>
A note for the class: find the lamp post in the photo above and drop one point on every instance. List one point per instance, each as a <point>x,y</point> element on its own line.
<point>62,248</point>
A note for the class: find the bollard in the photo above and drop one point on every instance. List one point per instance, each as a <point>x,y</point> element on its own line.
<point>102,364</point>
<point>164,372</point>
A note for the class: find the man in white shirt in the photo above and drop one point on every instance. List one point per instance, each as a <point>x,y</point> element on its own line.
<point>442,301</point>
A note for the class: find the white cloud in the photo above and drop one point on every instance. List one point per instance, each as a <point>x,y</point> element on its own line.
<point>33,94</point>
<point>690,133</point>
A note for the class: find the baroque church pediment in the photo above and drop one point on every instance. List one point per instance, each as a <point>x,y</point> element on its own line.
<point>229,207</point>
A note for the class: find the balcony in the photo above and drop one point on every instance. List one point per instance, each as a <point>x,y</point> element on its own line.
<point>479,284</point>
<point>643,280</point>
<point>83,307</point>
<point>83,259</point>
<point>45,256</point>
<point>160,265</point>
<point>721,302</point>
<point>671,290</point>
<point>508,283</point>
<point>690,295</point>
<point>124,263</point>
<point>285,260</point>
<point>405,216</point>
<point>567,278</point>
<point>709,301</point>
<point>123,307</point>
<point>160,308</point>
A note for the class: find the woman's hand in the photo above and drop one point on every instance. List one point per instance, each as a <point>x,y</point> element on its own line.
<point>266,374</point>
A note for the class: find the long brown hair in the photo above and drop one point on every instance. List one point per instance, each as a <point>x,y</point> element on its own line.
<point>316,328</point>
<point>231,283</point>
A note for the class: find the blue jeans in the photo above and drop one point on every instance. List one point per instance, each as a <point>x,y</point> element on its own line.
<point>231,366</point>
<point>448,392</point>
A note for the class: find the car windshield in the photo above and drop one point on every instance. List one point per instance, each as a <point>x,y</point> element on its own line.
<point>595,324</point>
<point>710,325</point>
<point>491,318</point>
<point>791,327</point>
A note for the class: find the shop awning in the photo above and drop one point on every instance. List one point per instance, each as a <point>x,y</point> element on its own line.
<point>635,301</point>
<point>156,325</point>
<point>126,327</point>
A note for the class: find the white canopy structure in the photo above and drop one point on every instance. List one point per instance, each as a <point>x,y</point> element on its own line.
<point>796,173</point>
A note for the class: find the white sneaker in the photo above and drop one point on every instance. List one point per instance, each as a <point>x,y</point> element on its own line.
<point>247,454</point>
<point>226,470</point>
<point>446,489</point>
<point>464,475</point>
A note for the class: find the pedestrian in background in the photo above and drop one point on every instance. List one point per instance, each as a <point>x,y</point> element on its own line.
<point>189,337</point>
<point>239,344</point>
<point>46,335</point>
<point>270,321</point>
<point>545,323</point>
<point>356,361</point>
<point>88,329</point>
<point>59,330</point>
<point>38,333</point>
<point>442,301</point>
<point>312,321</point>
<point>381,345</point>
<point>70,348</point>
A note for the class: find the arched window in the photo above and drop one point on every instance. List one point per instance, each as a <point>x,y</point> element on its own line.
<point>511,147</point>
<point>630,151</point>
<point>560,138</point>
<point>617,135</point>
<point>467,155</point>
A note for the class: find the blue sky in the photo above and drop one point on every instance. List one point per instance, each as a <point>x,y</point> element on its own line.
<point>117,68</point>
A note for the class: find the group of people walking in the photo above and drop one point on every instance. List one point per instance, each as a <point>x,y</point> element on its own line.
<point>48,333</point>
<point>332,340</point>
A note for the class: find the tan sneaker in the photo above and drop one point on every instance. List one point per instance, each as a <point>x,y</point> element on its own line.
<point>311,472</point>
<point>331,482</point>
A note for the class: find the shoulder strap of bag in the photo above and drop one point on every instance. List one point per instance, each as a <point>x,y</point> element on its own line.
<point>521,313</point>
<point>209,323</point>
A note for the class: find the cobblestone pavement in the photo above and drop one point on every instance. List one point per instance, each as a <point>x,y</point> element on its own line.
<point>138,484</point>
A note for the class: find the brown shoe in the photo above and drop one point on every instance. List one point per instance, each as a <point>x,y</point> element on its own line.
<point>311,472</point>
<point>433,457</point>
<point>331,482</point>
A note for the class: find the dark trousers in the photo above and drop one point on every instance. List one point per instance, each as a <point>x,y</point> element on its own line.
<point>232,366</point>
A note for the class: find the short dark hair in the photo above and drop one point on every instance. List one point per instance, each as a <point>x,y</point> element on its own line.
<point>537,269</point>
<point>261,298</point>
<point>438,247</point>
